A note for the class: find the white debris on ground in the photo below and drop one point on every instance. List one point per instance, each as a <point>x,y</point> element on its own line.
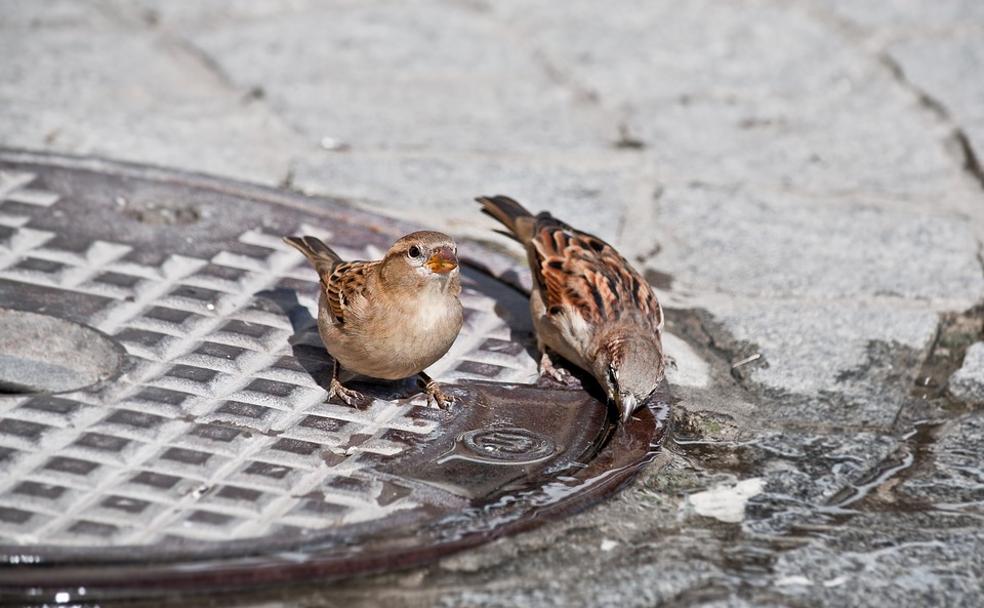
<point>724,502</point>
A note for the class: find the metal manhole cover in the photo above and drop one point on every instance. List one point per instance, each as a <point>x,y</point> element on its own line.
<point>163,416</point>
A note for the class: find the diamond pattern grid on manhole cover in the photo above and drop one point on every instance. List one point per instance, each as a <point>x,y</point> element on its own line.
<point>213,448</point>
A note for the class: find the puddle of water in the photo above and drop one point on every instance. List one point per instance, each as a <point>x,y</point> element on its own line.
<point>501,446</point>
<point>915,448</point>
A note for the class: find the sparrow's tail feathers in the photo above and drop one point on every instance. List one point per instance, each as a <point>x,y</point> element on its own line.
<point>511,214</point>
<point>314,249</point>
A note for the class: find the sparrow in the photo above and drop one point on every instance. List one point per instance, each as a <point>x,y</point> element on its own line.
<point>588,305</point>
<point>391,318</point>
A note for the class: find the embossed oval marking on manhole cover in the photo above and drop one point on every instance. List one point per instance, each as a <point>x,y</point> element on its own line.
<point>43,354</point>
<point>209,456</point>
<point>511,444</point>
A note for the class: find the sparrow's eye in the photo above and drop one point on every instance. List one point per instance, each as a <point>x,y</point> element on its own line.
<point>613,376</point>
<point>414,251</point>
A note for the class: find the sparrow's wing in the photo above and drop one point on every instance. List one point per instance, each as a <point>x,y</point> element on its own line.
<point>345,285</point>
<point>579,271</point>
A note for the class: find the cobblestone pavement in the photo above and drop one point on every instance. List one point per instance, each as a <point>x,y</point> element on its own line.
<point>802,180</point>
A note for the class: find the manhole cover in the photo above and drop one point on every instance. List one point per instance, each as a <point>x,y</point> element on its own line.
<point>163,416</point>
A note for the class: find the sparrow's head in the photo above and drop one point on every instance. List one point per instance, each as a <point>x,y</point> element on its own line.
<point>629,367</point>
<point>423,255</point>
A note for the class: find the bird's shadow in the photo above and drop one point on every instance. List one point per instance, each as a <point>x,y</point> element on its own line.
<point>512,306</point>
<point>309,352</point>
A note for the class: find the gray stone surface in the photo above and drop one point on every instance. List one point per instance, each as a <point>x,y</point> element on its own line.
<point>778,245</point>
<point>929,568</point>
<point>801,180</point>
<point>375,76</point>
<point>440,189</point>
<point>111,89</point>
<point>956,88</point>
<point>949,479</point>
<point>829,343</point>
<point>967,383</point>
<point>909,14</point>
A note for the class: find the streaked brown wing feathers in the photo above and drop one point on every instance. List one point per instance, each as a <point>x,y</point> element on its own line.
<point>347,281</point>
<point>583,272</point>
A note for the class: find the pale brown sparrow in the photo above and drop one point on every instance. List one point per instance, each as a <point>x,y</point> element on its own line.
<point>392,318</point>
<point>588,305</point>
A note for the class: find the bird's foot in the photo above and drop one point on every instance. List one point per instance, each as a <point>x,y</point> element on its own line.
<point>348,396</point>
<point>435,396</point>
<point>558,374</point>
<point>669,362</point>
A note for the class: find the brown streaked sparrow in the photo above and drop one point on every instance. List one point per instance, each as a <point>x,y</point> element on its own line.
<point>392,318</point>
<point>588,305</point>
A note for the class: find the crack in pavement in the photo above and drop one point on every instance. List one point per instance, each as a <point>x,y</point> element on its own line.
<point>971,163</point>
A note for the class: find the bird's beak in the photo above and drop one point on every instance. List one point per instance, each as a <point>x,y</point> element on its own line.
<point>442,260</point>
<point>627,404</point>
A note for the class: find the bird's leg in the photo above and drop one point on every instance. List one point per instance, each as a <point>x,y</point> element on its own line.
<point>350,397</point>
<point>434,392</point>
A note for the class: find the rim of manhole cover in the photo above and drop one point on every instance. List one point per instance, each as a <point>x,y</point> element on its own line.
<point>207,457</point>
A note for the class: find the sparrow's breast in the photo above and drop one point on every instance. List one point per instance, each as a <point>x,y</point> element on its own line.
<point>431,330</point>
<point>402,339</point>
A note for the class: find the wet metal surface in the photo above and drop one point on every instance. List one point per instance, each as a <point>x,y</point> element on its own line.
<point>205,455</point>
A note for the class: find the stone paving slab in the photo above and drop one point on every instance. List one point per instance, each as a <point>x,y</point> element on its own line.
<point>830,344</point>
<point>431,187</point>
<point>967,383</point>
<point>777,245</point>
<point>141,96</point>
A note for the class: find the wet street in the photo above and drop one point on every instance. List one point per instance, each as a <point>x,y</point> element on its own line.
<point>801,181</point>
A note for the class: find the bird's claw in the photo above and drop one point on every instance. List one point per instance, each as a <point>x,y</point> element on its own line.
<point>435,396</point>
<point>558,374</point>
<point>348,396</point>
<point>547,368</point>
